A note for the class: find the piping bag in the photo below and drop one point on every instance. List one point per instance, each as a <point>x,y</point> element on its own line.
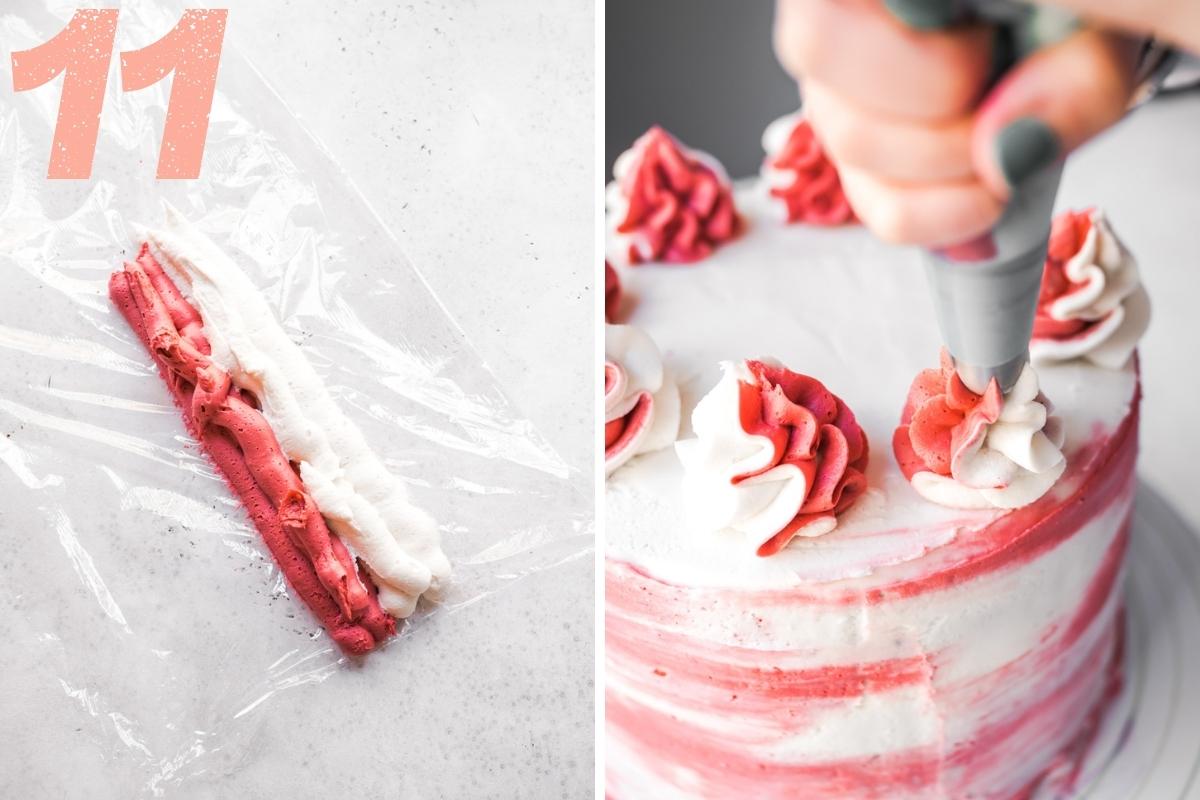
<point>985,291</point>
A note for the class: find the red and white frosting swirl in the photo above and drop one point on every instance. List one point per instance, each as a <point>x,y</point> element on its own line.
<point>965,450</point>
<point>1092,303</point>
<point>641,402</point>
<point>800,176</point>
<point>670,203</point>
<point>776,455</point>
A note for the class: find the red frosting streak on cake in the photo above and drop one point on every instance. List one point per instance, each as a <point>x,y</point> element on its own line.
<point>760,696</point>
<point>612,293</point>
<point>684,669</point>
<point>241,444</point>
<point>726,766</point>
<point>1067,235</point>
<point>815,193</point>
<point>941,420</point>
<point>811,429</point>
<point>679,208</point>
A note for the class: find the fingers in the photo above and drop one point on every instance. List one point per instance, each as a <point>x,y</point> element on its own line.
<point>858,49</point>
<point>1175,21</point>
<point>927,214</point>
<point>888,147</point>
<point>1049,104</point>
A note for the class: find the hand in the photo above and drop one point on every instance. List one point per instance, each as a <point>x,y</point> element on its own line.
<point>927,152</point>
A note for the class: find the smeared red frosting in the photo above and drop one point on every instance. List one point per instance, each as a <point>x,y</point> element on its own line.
<point>814,195</point>
<point>812,430</point>
<point>1067,235</point>
<point>612,293</point>
<point>677,207</point>
<point>240,442</point>
<point>942,419</point>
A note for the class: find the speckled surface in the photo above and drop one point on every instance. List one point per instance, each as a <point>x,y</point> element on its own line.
<point>469,128</point>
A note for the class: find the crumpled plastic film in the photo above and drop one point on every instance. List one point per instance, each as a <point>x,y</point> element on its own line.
<point>125,553</point>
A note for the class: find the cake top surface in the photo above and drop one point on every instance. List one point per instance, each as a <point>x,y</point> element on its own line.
<point>855,313</point>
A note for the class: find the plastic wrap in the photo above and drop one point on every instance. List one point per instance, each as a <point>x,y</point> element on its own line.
<point>132,577</point>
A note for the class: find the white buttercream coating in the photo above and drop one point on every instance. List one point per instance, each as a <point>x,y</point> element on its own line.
<point>1107,291</point>
<point>1014,462</point>
<point>639,367</point>
<point>749,298</point>
<point>364,504</point>
<point>756,508</point>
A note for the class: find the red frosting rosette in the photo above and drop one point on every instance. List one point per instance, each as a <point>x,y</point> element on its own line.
<point>673,204</point>
<point>812,430</point>
<point>802,177</point>
<point>942,420</point>
<point>612,293</point>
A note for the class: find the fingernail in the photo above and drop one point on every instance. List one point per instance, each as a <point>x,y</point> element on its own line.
<point>1024,147</point>
<point>924,15</point>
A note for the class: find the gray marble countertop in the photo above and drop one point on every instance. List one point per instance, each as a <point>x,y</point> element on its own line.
<point>469,128</point>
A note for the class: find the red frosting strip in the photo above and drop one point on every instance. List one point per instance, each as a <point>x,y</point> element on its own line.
<point>241,444</point>
<point>941,418</point>
<point>679,208</point>
<point>612,293</point>
<point>812,430</point>
<point>815,194</point>
<point>1067,235</point>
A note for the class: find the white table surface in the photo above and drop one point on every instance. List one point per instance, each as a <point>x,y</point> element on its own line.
<point>469,127</point>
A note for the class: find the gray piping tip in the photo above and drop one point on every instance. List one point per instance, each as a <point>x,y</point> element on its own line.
<point>976,378</point>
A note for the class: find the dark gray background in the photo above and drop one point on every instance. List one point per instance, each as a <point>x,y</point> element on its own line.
<point>703,69</point>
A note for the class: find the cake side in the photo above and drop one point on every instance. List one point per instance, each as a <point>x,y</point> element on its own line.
<point>916,651</point>
<point>978,684</point>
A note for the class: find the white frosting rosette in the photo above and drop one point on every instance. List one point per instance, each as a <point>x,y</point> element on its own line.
<point>641,401</point>
<point>1105,293</point>
<point>1007,463</point>
<point>722,450</point>
<point>771,473</point>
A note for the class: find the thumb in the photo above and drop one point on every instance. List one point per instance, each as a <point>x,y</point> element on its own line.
<point>1049,104</point>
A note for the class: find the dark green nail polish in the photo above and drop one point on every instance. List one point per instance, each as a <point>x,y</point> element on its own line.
<point>1024,147</point>
<point>923,15</point>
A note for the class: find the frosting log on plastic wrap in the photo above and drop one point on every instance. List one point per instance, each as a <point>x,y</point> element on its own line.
<point>241,444</point>
<point>361,500</point>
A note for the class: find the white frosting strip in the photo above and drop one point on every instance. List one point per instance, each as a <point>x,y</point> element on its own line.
<point>366,506</point>
<point>1014,462</point>
<point>1106,291</point>
<point>637,371</point>
<point>758,507</point>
